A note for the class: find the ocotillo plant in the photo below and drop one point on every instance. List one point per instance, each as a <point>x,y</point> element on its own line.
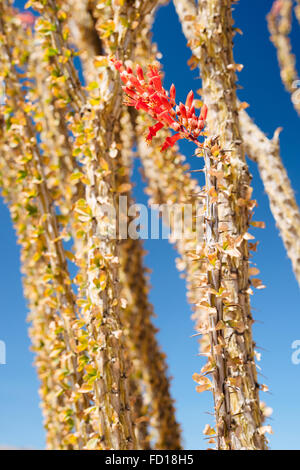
<point>271,168</point>
<point>234,376</point>
<point>66,152</point>
<point>148,359</point>
<point>97,406</point>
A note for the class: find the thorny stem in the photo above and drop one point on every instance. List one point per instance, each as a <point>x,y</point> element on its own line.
<point>111,392</point>
<point>218,85</point>
<point>148,360</point>
<point>279,24</point>
<point>234,205</point>
<point>264,151</point>
<point>220,372</point>
<point>43,317</point>
<point>54,243</point>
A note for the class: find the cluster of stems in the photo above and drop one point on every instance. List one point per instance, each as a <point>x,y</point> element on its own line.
<point>66,154</point>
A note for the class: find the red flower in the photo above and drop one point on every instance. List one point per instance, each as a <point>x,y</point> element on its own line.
<point>189,99</point>
<point>182,110</point>
<point>165,117</point>
<point>170,141</point>
<point>118,64</point>
<point>139,72</point>
<point>140,104</point>
<point>130,92</point>
<point>156,82</point>
<point>153,130</point>
<point>147,93</point>
<point>173,92</point>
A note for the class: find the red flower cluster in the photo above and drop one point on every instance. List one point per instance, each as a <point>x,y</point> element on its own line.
<point>148,94</point>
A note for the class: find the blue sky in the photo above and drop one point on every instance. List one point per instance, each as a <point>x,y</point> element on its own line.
<point>276,308</point>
